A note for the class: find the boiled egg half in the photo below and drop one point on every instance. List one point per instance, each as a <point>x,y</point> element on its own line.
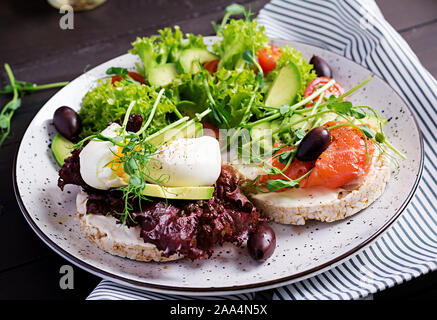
<point>186,162</point>
<point>178,163</point>
<point>97,166</point>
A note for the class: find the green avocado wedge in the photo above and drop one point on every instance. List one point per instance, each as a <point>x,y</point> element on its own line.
<point>189,58</point>
<point>162,75</point>
<point>182,193</point>
<point>194,130</point>
<point>61,148</point>
<point>263,134</point>
<point>285,87</point>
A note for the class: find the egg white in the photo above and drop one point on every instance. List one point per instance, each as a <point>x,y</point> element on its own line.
<point>186,162</point>
<point>178,163</point>
<point>95,159</point>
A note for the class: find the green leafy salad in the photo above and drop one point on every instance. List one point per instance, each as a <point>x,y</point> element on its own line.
<point>235,89</point>
<point>240,83</point>
<point>169,144</point>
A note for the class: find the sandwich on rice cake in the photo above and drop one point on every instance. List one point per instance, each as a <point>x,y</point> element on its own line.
<point>157,189</point>
<point>184,202</point>
<point>334,172</point>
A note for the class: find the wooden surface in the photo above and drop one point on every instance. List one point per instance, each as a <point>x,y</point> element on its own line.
<point>39,51</point>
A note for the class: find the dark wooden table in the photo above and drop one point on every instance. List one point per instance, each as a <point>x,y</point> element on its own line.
<point>39,51</point>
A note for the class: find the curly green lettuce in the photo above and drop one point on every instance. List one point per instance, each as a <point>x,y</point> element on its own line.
<point>237,37</point>
<point>107,103</point>
<point>164,48</point>
<point>231,91</point>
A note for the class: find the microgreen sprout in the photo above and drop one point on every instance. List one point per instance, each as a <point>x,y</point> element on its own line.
<point>17,88</point>
<point>277,184</point>
<point>123,73</point>
<point>137,151</point>
<point>231,10</point>
<point>218,111</point>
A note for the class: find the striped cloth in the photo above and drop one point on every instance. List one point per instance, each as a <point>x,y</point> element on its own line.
<point>358,31</point>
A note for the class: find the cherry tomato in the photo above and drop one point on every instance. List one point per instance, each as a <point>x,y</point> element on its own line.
<point>134,75</point>
<point>210,130</point>
<point>268,57</point>
<point>211,66</point>
<point>336,89</point>
<point>295,170</point>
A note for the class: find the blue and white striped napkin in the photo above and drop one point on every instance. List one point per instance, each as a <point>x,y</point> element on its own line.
<point>357,30</point>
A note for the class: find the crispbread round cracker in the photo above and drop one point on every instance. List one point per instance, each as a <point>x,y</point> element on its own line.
<point>339,204</point>
<point>114,238</point>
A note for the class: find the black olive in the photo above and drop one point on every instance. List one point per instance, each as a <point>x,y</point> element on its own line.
<point>67,122</point>
<point>321,67</point>
<point>262,243</point>
<point>313,144</point>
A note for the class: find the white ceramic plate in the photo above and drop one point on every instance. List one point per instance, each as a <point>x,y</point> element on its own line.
<point>301,251</point>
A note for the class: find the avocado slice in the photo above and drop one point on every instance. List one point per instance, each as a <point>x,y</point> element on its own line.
<point>285,87</point>
<point>183,193</point>
<point>61,148</point>
<point>189,57</point>
<point>261,130</point>
<point>192,131</point>
<point>162,75</point>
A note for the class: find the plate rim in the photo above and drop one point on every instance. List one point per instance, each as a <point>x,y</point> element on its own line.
<point>202,291</point>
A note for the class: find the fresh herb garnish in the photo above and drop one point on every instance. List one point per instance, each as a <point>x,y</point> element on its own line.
<point>286,183</point>
<point>218,111</point>
<point>17,88</point>
<point>274,185</point>
<point>248,57</point>
<point>122,72</point>
<point>136,150</point>
<point>231,10</point>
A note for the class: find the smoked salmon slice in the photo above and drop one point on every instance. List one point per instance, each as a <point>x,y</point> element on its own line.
<point>345,160</point>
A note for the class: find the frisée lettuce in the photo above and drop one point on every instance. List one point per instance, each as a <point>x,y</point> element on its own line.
<point>109,102</point>
<point>165,48</point>
<point>237,37</point>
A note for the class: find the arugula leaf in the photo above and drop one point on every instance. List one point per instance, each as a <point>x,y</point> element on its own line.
<point>260,79</point>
